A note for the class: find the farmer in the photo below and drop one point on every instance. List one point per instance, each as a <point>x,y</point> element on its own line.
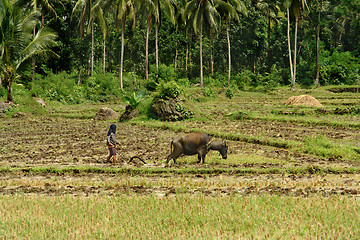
<point>112,142</point>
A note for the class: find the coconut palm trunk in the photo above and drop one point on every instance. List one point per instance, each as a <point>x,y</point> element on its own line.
<point>295,52</point>
<point>147,48</point>
<point>201,59</point>
<point>156,50</point>
<point>92,49</point>
<point>122,50</point>
<point>229,51</point>
<point>289,46</point>
<point>317,74</point>
<point>104,56</point>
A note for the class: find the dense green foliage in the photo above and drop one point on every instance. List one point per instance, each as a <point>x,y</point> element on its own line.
<point>259,50</point>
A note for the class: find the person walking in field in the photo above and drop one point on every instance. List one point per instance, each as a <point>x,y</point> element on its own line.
<point>112,143</point>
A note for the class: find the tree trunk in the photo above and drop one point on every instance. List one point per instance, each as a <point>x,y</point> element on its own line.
<point>7,85</point>
<point>211,54</point>
<point>147,48</point>
<point>187,52</point>
<point>92,48</point>
<point>104,60</point>
<point>134,75</point>
<point>122,51</point>
<point>289,46</point>
<point>33,62</point>
<point>175,59</point>
<point>269,43</point>
<point>176,51</point>
<point>156,51</point>
<point>229,51</point>
<point>295,52</point>
<point>201,60</point>
<point>317,74</point>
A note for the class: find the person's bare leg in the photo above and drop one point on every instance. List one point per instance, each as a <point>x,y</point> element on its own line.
<point>114,159</point>
<point>108,158</point>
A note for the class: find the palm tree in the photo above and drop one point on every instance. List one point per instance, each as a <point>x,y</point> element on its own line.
<point>271,10</point>
<point>296,6</point>
<point>319,6</point>
<point>153,10</point>
<point>202,13</point>
<point>97,12</point>
<point>168,6</point>
<point>84,7</point>
<point>230,9</point>
<point>17,43</point>
<point>147,7</point>
<point>178,13</point>
<point>124,8</point>
<point>43,6</point>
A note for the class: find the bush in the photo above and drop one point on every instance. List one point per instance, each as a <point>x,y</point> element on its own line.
<point>2,91</point>
<point>217,81</point>
<point>208,92</point>
<point>229,93</point>
<point>60,87</point>
<point>169,90</point>
<point>164,73</point>
<point>243,79</point>
<point>339,68</point>
<point>64,87</point>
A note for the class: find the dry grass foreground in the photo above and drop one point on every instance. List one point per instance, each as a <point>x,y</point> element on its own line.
<point>53,175</point>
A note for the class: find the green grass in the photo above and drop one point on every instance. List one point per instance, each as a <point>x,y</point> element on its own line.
<point>178,217</point>
<point>188,170</point>
<point>322,146</point>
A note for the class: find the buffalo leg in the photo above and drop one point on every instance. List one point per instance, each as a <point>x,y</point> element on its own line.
<point>201,155</point>
<point>177,150</point>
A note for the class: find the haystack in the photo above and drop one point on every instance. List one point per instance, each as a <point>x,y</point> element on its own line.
<point>303,100</point>
<point>106,114</point>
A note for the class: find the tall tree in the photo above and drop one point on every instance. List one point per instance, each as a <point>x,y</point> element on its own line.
<point>124,8</point>
<point>228,11</point>
<point>271,10</point>
<point>147,8</point>
<point>296,6</point>
<point>168,7</point>
<point>97,12</point>
<point>84,8</point>
<point>318,6</point>
<point>152,9</point>
<point>202,13</point>
<point>17,43</point>
<point>43,6</point>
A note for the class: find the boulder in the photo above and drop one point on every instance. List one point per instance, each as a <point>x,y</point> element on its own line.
<point>303,100</point>
<point>106,114</point>
<point>166,110</point>
<point>128,114</point>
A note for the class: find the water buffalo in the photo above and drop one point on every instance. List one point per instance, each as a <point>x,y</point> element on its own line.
<point>195,143</point>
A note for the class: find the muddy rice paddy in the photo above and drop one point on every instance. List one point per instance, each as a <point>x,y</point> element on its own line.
<point>39,142</point>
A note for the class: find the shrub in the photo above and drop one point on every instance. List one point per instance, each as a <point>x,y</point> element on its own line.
<point>169,90</point>
<point>186,114</point>
<point>134,99</point>
<point>208,92</point>
<point>60,87</point>
<point>229,93</point>
<point>339,68</point>
<point>243,79</point>
<point>164,72</point>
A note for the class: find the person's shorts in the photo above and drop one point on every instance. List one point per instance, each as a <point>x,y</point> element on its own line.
<point>112,151</point>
